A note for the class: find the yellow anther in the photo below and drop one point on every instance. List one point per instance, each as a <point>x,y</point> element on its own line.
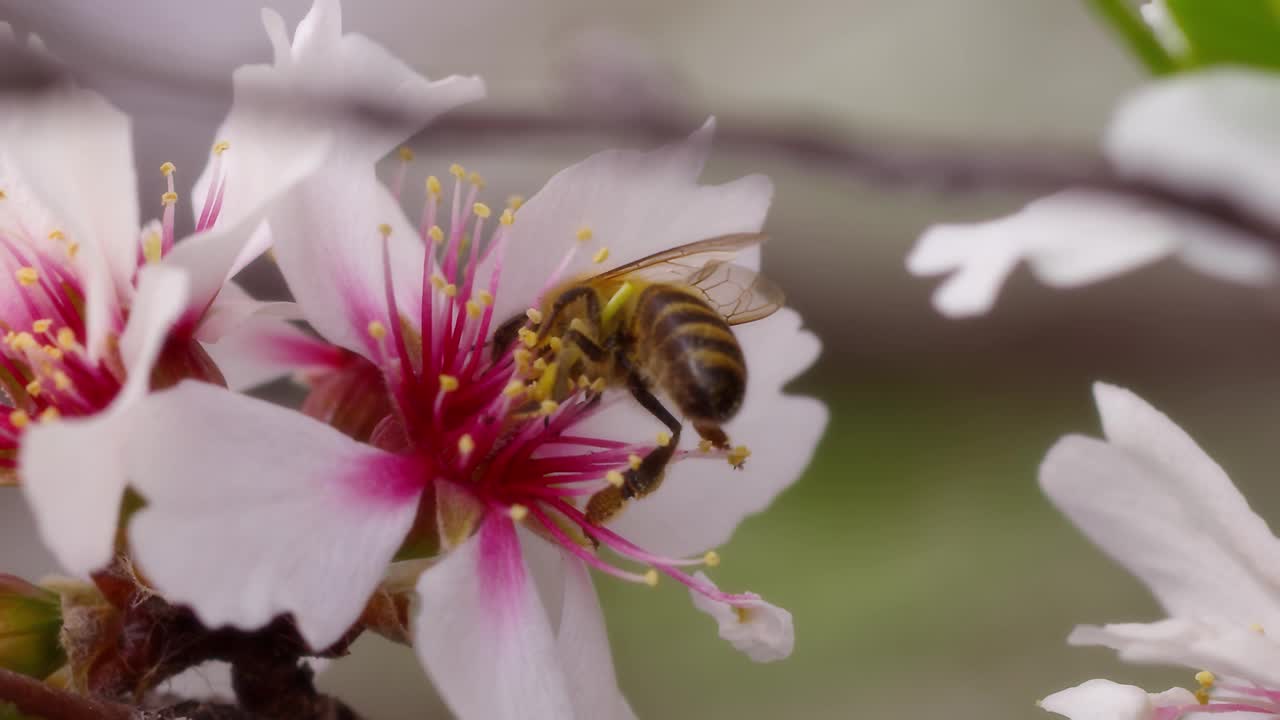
<point>1257,628</point>
<point>3,195</point>
<point>549,406</point>
<point>41,325</point>
<point>744,614</point>
<point>711,558</point>
<point>19,419</point>
<point>634,461</point>
<point>534,315</point>
<point>515,201</point>
<point>507,217</point>
<point>220,147</point>
<point>448,383</point>
<point>72,249</point>
<point>664,439</point>
<point>522,356</point>
<point>57,235</point>
<point>597,385</point>
<point>473,309</point>
<point>1206,679</point>
<point>437,281</point>
<point>61,380</point>
<point>517,512</point>
<point>484,297</point>
<point>66,338</point>
<point>581,326</point>
<point>704,445</point>
<point>540,364</point>
<point>481,210</point>
<point>27,276</point>
<point>457,171</point>
<point>377,330</point>
<point>514,389</point>
<point>601,255</point>
<point>152,247</point>
<point>49,415</point>
<point>466,445</point>
<point>450,290</point>
<point>169,198</point>
<point>614,478</point>
<point>555,343</point>
<point>23,342</point>
<point>475,179</point>
<point>406,154</point>
<point>584,382</point>
<point>584,234</point>
<point>1202,696</point>
<point>167,169</point>
<point>53,352</point>
<point>528,337</point>
<point>34,388</point>
<point>651,578</point>
<point>739,455</point>
<point>384,229</point>
<point>436,234</point>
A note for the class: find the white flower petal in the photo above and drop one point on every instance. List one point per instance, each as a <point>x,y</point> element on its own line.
<point>634,203</point>
<point>760,630</point>
<point>73,473</point>
<point>1156,503</point>
<point>1227,648</point>
<point>483,636</point>
<point>702,501</point>
<point>254,510</point>
<point>265,348</point>
<point>234,306</point>
<point>1106,700</point>
<point>583,645</point>
<point>328,247</point>
<point>1213,131</point>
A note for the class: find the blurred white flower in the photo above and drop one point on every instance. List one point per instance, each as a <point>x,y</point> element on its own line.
<point>1212,132</point>
<point>105,307</point>
<point>1105,700</point>
<point>269,506</point>
<point>762,631</point>
<point>1151,499</point>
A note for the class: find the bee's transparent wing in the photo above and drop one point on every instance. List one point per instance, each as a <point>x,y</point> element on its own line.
<point>676,265</point>
<point>739,294</point>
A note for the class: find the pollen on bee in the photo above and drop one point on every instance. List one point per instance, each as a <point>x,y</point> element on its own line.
<point>481,210</point>
<point>406,154</point>
<point>738,456</point>
<point>601,255</point>
<point>634,461</point>
<point>664,439</point>
<point>49,415</point>
<point>711,558</point>
<point>448,383</point>
<point>377,330</point>
<point>42,325</point>
<point>528,337</point>
<point>651,578</point>
<point>466,445</point>
<point>549,406</point>
<point>19,419</point>
<point>167,169</point>
<point>27,276</point>
<point>384,229</point>
<point>584,234</point>
<point>457,171</point>
<point>169,198</point>
<point>57,235</point>
<point>66,338</point>
<point>614,478</point>
<point>517,512</point>
<point>220,147</point>
<point>515,388</point>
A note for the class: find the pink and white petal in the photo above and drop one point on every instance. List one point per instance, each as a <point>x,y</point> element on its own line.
<point>1231,650</point>
<point>583,644</point>
<point>703,500</point>
<point>265,348</point>
<point>234,306</point>
<point>254,510</point>
<point>1234,259</point>
<point>483,636</point>
<point>1212,131</point>
<point>1105,700</point>
<point>329,248</point>
<point>73,472</point>
<point>75,152</point>
<point>634,203</point>
<point>1158,505</point>
<point>762,631</point>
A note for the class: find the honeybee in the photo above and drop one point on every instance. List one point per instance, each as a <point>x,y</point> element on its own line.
<point>661,323</point>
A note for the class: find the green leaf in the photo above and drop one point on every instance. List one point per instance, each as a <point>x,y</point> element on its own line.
<point>1230,32</point>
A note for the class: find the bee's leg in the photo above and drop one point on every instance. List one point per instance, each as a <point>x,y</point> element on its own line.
<point>567,298</point>
<point>586,345</point>
<point>713,434</point>
<point>645,479</point>
<point>506,334</point>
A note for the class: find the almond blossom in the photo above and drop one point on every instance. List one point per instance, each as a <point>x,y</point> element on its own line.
<point>1150,498</point>
<point>105,306</point>
<point>1210,132</point>
<point>282,513</point>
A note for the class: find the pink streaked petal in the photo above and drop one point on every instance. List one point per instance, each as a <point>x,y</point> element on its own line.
<point>483,635</point>
<point>760,630</point>
<point>327,244</point>
<point>583,644</point>
<point>1105,700</point>
<point>279,513</point>
<point>234,306</point>
<point>635,204</point>
<point>265,348</point>
<point>1231,649</point>
<point>73,473</point>
<point>702,501</point>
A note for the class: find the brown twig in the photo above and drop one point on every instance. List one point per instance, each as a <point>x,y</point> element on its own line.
<point>37,699</point>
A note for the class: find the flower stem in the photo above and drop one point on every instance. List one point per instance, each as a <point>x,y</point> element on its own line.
<point>1135,33</point>
<point>37,699</point>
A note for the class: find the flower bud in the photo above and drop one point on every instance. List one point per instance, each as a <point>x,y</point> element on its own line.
<point>30,622</point>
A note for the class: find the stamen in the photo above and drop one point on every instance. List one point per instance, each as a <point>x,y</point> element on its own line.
<point>42,325</point>
<point>34,387</point>
<point>377,330</point>
<point>614,478</point>
<point>517,512</point>
<point>57,235</point>
<point>514,389</point>
<point>220,147</point>
<point>433,186</point>
<point>1206,680</point>
<point>534,315</point>
<point>705,445</point>
<point>601,255</point>
<point>27,276</point>
<point>651,578</point>
<point>66,338</point>
<point>49,415</point>
<point>711,558</point>
<point>549,406</point>
<point>406,157</point>
<point>448,383</point>
<point>738,456</point>
<point>584,234</point>
<point>19,419</point>
<point>634,461</point>
<point>437,237</point>
<point>481,210</point>
<point>466,445</point>
<point>169,198</point>
<point>152,247</point>
<point>664,439</point>
<point>514,202</point>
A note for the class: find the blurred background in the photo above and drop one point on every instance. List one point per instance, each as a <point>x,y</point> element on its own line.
<point>927,575</point>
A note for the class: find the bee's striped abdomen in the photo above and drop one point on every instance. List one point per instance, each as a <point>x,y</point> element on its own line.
<point>691,352</point>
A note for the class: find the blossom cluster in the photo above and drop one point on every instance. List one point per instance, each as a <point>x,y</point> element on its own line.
<point>429,469</point>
